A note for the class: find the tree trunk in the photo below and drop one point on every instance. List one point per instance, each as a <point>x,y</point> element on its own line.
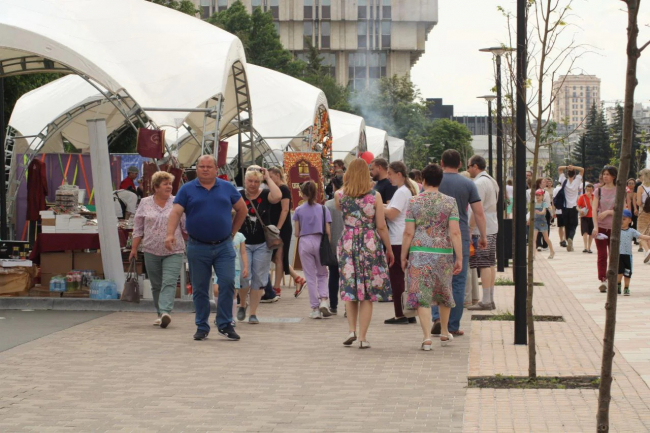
<point>633,53</point>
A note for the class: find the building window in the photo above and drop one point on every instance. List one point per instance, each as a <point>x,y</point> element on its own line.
<point>308,9</point>
<point>382,64</point>
<point>329,63</point>
<point>373,66</point>
<point>206,7</point>
<point>375,36</point>
<point>326,8</point>
<point>362,34</point>
<point>386,10</point>
<point>362,13</point>
<point>223,5</point>
<point>256,4</point>
<point>385,34</point>
<point>308,33</point>
<point>325,34</point>
<point>275,9</point>
<point>276,24</point>
<point>357,70</point>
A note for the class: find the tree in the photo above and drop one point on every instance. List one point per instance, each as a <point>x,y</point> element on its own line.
<point>445,134</point>
<point>633,54</point>
<point>337,96</point>
<point>597,147</point>
<point>616,138</point>
<point>259,37</point>
<point>184,6</point>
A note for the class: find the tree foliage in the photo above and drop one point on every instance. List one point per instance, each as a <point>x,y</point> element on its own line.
<point>597,145</point>
<point>259,37</point>
<point>616,138</point>
<point>184,6</point>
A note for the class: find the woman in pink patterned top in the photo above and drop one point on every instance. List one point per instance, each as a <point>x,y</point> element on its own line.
<point>150,228</point>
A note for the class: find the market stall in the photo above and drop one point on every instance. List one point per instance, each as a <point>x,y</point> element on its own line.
<point>377,142</point>
<point>349,135</point>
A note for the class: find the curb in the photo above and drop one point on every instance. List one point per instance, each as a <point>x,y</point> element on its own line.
<point>84,304</point>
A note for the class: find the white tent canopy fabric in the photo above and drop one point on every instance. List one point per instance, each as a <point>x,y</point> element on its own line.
<point>395,149</point>
<point>349,136</point>
<point>377,139</point>
<point>120,45</point>
<point>69,101</point>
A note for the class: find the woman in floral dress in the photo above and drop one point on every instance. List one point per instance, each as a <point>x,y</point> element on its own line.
<point>363,265</point>
<point>433,233</point>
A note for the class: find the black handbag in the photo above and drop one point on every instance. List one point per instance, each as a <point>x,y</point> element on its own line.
<point>327,256</point>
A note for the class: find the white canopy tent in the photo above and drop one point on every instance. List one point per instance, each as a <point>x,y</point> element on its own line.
<point>123,46</point>
<point>349,135</point>
<point>377,142</point>
<point>395,149</point>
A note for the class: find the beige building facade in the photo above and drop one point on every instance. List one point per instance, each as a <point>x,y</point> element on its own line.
<point>576,94</point>
<point>359,40</point>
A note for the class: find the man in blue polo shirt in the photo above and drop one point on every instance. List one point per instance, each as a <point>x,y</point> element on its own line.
<point>207,202</point>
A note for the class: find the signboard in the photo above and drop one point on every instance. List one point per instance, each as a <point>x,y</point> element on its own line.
<point>301,167</point>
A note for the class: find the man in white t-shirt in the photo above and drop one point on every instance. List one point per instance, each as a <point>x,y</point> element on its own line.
<point>130,200</point>
<point>396,218</point>
<point>485,260</point>
<point>572,189</point>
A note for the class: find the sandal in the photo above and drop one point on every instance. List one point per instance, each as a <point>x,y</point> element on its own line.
<point>300,284</point>
<point>426,346</point>
<point>447,339</point>
<point>351,339</point>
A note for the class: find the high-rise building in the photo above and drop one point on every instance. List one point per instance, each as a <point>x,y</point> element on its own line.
<point>359,40</point>
<point>576,94</point>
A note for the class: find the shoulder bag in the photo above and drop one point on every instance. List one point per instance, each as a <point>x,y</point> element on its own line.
<point>131,292</point>
<point>327,256</point>
<point>271,232</point>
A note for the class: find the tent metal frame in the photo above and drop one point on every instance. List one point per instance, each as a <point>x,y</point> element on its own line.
<point>132,112</point>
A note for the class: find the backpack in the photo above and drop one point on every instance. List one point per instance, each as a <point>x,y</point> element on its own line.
<point>559,200</point>
<point>121,202</point>
<point>646,203</point>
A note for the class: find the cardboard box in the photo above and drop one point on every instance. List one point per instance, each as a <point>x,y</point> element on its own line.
<point>14,283</point>
<point>89,261</point>
<point>56,263</point>
<point>48,222</point>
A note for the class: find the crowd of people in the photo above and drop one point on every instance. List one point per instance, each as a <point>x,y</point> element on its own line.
<point>376,233</point>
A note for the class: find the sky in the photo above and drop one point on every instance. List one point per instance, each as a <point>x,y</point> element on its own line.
<point>452,67</point>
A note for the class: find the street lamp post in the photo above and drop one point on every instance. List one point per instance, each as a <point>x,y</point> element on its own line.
<point>489,99</point>
<point>498,52</point>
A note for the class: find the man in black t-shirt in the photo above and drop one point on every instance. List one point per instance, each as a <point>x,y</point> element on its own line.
<point>379,172</point>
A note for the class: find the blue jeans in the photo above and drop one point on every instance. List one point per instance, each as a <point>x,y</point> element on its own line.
<point>458,291</point>
<point>202,258</point>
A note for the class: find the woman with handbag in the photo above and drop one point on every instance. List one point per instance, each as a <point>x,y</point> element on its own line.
<point>586,221</point>
<point>149,228</point>
<point>312,227</point>
<point>643,207</point>
<point>261,237</point>
<point>431,238</point>
<point>363,265</point>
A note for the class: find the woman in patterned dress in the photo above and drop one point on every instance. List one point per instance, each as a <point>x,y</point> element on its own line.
<point>433,233</point>
<point>363,265</point>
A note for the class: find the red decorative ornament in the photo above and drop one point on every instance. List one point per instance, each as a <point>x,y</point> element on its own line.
<point>367,156</point>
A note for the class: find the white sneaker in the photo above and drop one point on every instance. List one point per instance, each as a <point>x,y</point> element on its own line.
<point>157,322</point>
<point>647,257</point>
<point>324,308</point>
<point>315,314</point>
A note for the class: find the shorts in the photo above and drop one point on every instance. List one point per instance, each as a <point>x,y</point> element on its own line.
<point>560,220</point>
<point>625,265</point>
<point>486,258</point>
<point>237,279</point>
<point>540,224</point>
<point>586,225</point>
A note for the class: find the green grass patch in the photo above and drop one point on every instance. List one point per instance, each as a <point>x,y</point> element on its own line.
<point>508,282</point>
<point>509,317</point>
<point>522,382</point>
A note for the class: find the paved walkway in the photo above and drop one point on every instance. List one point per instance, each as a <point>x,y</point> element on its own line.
<point>570,348</point>
<point>290,373</point>
<point>119,373</point>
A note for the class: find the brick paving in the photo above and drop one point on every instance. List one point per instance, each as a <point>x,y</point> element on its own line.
<point>120,373</point>
<point>570,348</point>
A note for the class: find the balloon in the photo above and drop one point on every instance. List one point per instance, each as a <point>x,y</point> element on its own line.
<point>367,156</point>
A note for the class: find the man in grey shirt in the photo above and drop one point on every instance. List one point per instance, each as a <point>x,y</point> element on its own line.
<point>336,230</point>
<point>464,191</point>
